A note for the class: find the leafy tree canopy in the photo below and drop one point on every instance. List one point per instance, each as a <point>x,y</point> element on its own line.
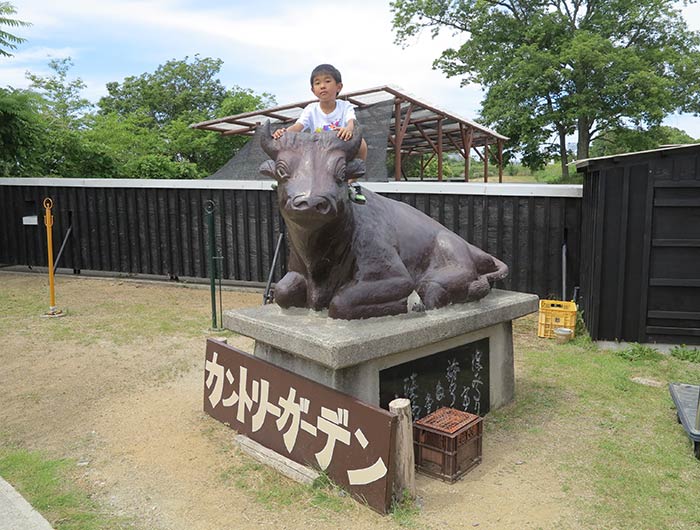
<point>65,151</point>
<point>21,131</point>
<point>627,140</point>
<point>8,41</point>
<point>140,130</point>
<point>177,94</point>
<point>62,96</point>
<point>551,68</point>
<point>175,89</point>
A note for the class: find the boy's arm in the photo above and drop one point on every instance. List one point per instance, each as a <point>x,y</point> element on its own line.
<point>345,133</point>
<point>297,127</point>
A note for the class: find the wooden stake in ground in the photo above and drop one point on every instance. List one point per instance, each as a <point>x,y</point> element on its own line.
<point>404,468</point>
<point>48,221</point>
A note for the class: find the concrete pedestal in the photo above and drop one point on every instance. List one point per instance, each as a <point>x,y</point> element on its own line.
<point>348,355</point>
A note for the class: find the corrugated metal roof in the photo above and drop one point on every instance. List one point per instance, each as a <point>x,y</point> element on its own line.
<point>420,136</point>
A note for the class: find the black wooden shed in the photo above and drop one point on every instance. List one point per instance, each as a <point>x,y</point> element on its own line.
<point>640,265</point>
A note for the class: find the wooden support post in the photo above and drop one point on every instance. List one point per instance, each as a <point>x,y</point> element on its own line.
<point>424,164</point>
<point>398,139</point>
<point>439,148</point>
<point>404,469</point>
<point>500,160</point>
<point>467,137</point>
<point>486,162</point>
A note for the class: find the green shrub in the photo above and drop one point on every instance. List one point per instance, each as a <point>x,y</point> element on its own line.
<point>685,353</point>
<point>156,166</point>
<point>639,352</point>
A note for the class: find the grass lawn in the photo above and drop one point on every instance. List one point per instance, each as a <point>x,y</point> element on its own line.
<point>603,420</point>
<point>635,462</point>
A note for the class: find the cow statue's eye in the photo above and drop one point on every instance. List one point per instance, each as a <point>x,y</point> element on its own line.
<point>281,171</point>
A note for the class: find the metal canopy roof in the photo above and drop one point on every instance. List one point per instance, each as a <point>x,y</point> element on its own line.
<point>422,123</point>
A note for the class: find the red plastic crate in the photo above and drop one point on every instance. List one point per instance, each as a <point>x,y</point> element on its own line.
<point>447,443</point>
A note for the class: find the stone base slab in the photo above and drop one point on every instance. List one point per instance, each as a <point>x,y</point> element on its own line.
<point>348,355</point>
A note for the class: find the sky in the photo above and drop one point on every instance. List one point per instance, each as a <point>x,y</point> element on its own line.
<point>269,46</point>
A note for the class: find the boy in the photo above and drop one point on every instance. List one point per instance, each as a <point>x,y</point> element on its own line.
<point>329,114</point>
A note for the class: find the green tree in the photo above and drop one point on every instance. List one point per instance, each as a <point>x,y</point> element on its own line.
<point>69,155</point>
<point>66,152</point>
<point>124,137</point>
<point>21,132</point>
<point>626,140</point>
<point>64,103</point>
<point>177,94</point>
<point>140,131</point>
<point>160,167</point>
<point>176,88</point>
<point>552,68</point>
<point>8,40</point>
<point>211,151</point>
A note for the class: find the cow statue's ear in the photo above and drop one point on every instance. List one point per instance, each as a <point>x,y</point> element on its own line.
<point>267,168</point>
<point>355,169</point>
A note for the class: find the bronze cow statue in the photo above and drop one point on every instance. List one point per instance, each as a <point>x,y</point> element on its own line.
<point>362,260</point>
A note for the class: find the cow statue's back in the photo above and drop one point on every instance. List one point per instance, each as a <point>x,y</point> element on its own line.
<point>362,260</point>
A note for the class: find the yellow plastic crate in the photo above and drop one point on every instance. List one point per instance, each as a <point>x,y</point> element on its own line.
<point>555,314</point>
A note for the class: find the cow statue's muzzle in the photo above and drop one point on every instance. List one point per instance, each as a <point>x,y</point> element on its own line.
<point>303,204</point>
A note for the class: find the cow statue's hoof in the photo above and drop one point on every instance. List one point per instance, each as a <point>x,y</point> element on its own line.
<point>478,288</point>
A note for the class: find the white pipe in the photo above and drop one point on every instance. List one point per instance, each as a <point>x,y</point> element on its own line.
<point>563,271</point>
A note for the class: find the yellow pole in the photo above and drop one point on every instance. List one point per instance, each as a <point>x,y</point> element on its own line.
<point>48,221</point>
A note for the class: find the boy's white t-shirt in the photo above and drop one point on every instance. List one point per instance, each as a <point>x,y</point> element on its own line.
<point>315,120</point>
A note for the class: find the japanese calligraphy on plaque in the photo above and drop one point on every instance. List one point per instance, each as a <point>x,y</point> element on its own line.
<point>303,420</point>
<point>456,378</point>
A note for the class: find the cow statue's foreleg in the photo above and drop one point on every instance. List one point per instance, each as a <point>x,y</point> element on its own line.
<point>290,291</point>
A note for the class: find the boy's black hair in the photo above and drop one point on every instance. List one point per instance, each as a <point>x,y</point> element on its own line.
<point>326,69</point>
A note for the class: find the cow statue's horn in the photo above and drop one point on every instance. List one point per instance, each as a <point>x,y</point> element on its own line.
<point>268,145</point>
<point>353,145</point>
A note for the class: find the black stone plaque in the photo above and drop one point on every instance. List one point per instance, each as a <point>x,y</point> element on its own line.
<point>457,378</point>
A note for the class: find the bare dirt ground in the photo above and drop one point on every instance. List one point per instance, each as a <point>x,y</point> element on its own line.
<point>117,385</point>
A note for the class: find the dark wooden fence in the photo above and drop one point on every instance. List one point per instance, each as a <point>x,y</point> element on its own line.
<point>641,246</point>
<point>158,227</point>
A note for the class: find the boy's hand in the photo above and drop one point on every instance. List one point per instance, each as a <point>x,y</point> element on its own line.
<point>345,133</point>
<point>297,127</point>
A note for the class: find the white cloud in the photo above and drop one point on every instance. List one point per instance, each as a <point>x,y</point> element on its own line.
<point>14,77</point>
<point>40,53</point>
<point>269,46</point>
<point>294,39</point>
<point>686,122</point>
<point>691,14</point>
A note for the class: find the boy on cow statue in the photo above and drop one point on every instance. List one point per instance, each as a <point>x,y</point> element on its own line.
<point>329,114</point>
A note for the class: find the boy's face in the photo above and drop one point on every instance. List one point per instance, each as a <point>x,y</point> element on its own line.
<point>325,88</point>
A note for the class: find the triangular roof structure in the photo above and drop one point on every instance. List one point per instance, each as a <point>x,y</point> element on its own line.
<point>417,127</point>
